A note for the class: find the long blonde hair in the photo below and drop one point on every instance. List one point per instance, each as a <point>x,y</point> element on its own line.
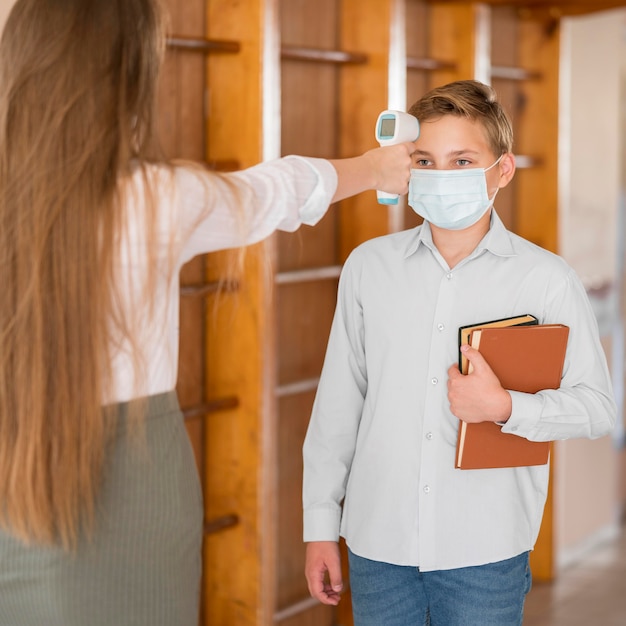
<point>78,81</point>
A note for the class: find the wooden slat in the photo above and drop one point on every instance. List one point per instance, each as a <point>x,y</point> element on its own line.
<point>513,73</point>
<point>308,275</point>
<point>297,608</point>
<point>223,165</point>
<point>545,8</point>
<point>524,162</point>
<point>297,387</point>
<point>201,44</point>
<point>221,404</point>
<point>218,524</point>
<point>205,288</point>
<point>429,65</point>
<point>318,55</point>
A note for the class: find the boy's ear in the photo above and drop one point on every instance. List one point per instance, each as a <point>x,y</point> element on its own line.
<point>506,168</point>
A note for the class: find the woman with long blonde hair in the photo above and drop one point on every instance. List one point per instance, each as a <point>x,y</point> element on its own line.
<point>100,506</point>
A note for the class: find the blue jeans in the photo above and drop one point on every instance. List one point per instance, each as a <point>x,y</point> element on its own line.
<point>394,595</point>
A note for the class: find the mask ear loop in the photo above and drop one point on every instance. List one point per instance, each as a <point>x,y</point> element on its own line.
<point>494,163</point>
<point>493,199</point>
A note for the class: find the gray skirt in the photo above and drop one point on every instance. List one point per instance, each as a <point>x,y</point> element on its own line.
<point>142,567</point>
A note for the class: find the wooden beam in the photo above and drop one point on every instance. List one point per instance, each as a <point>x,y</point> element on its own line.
<point>554,8</point>
<point>238,574</point>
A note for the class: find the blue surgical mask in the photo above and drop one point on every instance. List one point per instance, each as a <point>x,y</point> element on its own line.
<point>450,199</point>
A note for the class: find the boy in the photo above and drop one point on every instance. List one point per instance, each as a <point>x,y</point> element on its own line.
<point>426,540</point>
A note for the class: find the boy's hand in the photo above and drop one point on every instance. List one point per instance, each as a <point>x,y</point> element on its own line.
<point>323,557</point>
<point>478,396</point>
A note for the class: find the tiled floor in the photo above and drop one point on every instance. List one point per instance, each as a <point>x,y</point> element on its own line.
<point>590,593</point>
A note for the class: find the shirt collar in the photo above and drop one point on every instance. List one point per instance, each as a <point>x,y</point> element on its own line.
<point>497,240</point>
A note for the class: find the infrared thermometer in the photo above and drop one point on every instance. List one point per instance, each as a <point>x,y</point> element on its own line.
<point>395,127</point>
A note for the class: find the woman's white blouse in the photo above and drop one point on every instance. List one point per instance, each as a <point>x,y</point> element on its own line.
<point>196,213</point>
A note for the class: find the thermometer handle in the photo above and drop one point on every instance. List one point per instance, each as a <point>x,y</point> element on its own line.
<point>386,198</point>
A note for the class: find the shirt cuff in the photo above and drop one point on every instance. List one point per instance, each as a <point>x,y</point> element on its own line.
<point>318,202</point>
<point>525,413</point>
<point>322,524</point>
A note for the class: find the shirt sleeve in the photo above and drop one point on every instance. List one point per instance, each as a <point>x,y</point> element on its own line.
<point>215,212</point>
<point>584,405</point>
<point>331,437</point>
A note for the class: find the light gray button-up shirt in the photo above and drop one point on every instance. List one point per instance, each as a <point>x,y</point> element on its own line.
<point>382,435</point>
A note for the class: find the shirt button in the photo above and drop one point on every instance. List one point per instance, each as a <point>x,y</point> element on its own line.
<point>429,436</point>
<point>426,489</point>
<point>440,327</point>
<point>449,276</point>
<point>434,381</point>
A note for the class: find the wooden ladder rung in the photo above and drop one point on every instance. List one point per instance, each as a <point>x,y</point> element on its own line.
<point>197,290</point>
<point>202,44</point>
<point>320,55</point>
<point>430,65</point>
<point>221,404</point>
<point>220,523</point>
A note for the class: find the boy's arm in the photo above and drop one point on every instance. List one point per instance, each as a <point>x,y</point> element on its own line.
<point>583,406</point>
<point>331,437</point>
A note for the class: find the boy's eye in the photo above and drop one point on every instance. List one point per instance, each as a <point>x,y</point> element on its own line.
<point>463,162</point>
<point>422,162</point>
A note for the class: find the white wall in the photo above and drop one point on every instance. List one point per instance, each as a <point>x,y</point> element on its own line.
<point>593,58</point>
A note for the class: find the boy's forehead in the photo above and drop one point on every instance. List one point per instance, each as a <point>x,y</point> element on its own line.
<point>452,133</point>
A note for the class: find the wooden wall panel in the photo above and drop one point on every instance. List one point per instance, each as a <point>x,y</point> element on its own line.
<point>305,313</point>
<point>538,133</point>
<point>452,39</point>
<point>296,410</point>
<point>418,46</point>
<point>319,615</point>
<point>309,119</point>
<point>238,473</point>
<point>181,96</point>
<point>537,195</point>
<point>304,308</point>
<point>365,28</point>
<point>504,53</point>
<point>308,247</point>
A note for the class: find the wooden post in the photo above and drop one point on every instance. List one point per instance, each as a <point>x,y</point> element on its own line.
<point>238,562</point>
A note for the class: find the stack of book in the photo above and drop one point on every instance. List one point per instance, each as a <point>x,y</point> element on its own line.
<point>525,356</point>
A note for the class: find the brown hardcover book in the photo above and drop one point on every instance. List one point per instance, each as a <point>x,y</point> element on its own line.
<point>466,331</point>
<point>524,358</point>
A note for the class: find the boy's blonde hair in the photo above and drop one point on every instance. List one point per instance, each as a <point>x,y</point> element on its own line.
<point>473,100</point>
